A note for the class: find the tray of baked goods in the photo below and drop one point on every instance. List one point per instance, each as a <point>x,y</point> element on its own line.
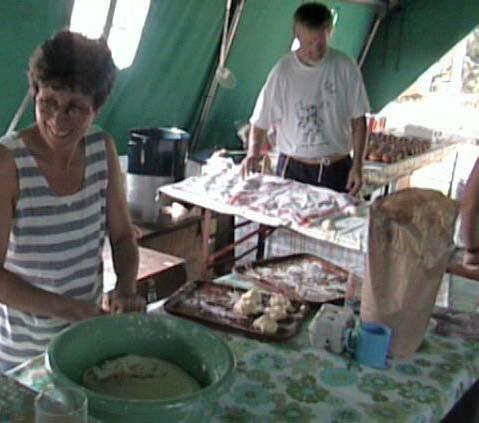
<point>300,277</point>
<point>259,314</point>
<point>390,148</point>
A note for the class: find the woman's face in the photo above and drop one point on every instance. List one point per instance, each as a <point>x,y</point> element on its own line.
<point>63,116</point>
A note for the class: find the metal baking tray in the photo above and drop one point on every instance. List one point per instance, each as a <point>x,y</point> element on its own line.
<point>212,303</point>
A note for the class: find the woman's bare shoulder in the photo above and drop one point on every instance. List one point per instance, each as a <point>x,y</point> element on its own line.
<point>7,162</point>
<point>8,176</point>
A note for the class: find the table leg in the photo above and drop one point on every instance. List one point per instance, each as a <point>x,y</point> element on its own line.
<point>205,249</point>
<point>453,174</point>
<point>261,243</point>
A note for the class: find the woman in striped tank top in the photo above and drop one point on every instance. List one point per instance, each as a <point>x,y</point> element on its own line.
<point>61,195</point>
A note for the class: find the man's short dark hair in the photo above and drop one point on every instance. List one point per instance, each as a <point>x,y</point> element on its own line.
<point>73,61</point>
<point>313,15</point>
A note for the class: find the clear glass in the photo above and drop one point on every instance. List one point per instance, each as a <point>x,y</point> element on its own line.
<point>61,405</point>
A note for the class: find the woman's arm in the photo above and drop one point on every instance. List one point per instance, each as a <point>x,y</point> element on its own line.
<point>469,213</point>
<point>122,238</point>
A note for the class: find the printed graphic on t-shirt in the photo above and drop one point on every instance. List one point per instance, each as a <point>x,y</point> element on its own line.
<point>310,122</point>
<point>329,88</point>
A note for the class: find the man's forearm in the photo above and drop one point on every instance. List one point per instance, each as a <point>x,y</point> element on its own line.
<point>256,139</point>
<point>125,262</point>
<point>359,135</point>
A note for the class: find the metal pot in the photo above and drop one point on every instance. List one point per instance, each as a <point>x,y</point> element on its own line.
<point>156,157</point>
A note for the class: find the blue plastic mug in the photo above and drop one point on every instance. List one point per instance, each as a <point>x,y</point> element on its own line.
<point>372,342</point>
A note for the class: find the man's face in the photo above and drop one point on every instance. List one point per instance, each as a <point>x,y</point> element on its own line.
<point>313,43</point>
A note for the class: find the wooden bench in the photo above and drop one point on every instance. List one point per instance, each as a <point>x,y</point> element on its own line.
<point>159,274</point>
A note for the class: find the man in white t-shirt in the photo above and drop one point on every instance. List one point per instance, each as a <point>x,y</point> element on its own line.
<point>316,100</point>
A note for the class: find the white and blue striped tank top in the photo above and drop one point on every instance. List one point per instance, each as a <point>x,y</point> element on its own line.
<point>55,244</point>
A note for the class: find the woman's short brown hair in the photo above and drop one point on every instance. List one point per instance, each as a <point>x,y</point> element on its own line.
<point>71,60</point>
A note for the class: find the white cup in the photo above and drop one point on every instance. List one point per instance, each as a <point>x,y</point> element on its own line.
<point>65,405</point>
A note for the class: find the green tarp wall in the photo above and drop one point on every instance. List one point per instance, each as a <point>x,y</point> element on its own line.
<point>410,40</point>
<point>168,81</point>
<point>25,23</point>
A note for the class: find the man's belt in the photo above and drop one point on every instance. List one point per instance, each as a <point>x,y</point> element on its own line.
<point>321,161</point>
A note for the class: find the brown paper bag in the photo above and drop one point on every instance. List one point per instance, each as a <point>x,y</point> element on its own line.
<point>409,246</point>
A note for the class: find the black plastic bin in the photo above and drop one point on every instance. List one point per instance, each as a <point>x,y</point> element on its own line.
<point>158,152</point>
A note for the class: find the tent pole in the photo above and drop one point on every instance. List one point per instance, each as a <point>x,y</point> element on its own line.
<point>234,24</point>
<point>214,82</point>
<point>19,113</point>
<point>382,11</point>
<point>369,41</point>
<point>225,33</point>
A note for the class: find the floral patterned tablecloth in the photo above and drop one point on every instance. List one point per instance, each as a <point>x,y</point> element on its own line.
<point>16,401</point>
<point>293,382</point>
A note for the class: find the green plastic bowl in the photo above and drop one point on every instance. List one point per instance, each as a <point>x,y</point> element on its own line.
<point>200,352</point>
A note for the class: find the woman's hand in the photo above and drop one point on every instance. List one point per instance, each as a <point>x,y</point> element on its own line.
<point>82,310</point>
<point>471,259</point>
<point>116,302</point>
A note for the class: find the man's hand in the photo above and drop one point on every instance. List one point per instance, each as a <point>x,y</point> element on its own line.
<point>118,302</point>
<point>355,180</point>
<point>251,162</point>
<point>249,165</point>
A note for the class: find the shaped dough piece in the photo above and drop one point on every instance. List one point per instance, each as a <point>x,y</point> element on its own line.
<point>253,295</point>
<point>279,300</point>
<point>277,312</point>
<point>352,210</point>
<point>245,307</point>
<point>265,325</point>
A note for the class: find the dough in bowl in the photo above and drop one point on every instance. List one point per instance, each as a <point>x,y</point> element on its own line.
<point>140,377</point>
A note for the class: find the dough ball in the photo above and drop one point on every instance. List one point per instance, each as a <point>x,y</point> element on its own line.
<point>245,307</point>
<point>253,295</point>
<point>277,312</point>
<point>351,211</point>
<point>265,324</point>
<point>279,300</point>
